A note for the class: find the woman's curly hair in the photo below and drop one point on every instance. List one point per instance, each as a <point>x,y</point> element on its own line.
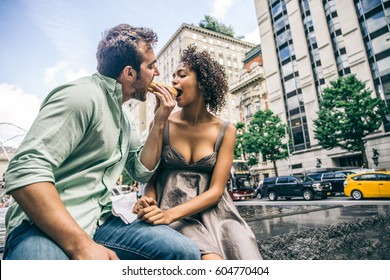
<point>211,77</point>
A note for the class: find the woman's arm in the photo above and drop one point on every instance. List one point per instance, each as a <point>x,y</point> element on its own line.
<point>155,215</point>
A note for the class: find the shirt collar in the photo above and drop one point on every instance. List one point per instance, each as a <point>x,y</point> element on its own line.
<point>113,87</point>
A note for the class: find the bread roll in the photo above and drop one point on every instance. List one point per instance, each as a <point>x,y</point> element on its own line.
<point>172,90</point>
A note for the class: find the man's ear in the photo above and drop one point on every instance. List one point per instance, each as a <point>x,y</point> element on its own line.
<point>129,73</point>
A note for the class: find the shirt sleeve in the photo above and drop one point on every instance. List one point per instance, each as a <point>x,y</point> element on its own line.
<point>60,125</point>
<point>134,167</point>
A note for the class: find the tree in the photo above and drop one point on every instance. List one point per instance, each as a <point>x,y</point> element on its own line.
<point>264,136</point>
<point>238,148</point>
<point>347,114</point>
<point>211,23</point>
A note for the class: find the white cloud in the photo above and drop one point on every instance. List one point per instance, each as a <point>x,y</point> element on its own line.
<point>62,73</point>
<point>220,8</point>
<point>18,110</point>
<point>253,37</point>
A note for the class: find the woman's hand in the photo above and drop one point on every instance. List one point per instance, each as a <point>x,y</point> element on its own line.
<point>142,203</point>
<point>155,216</point>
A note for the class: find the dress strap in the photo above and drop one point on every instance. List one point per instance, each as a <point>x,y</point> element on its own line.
<point>221,135</point>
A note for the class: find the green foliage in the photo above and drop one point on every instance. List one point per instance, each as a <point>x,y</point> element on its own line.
<point>347,114</point>
<point>211,23</point>
<point>238,149</point>
<point>264,136</point>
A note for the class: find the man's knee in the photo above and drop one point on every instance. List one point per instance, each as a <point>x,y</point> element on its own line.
<point>27,242</point>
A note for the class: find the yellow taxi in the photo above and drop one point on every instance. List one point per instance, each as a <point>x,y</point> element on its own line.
<point>368,185</point>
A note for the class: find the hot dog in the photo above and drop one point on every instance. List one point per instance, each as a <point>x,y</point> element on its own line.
<point>172,90</point>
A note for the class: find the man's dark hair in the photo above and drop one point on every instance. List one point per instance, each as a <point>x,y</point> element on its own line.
<point>120,47</point>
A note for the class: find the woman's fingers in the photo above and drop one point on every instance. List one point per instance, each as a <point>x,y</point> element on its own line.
<point>151,214</point>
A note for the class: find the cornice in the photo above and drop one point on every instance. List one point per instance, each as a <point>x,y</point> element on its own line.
<point>203,31</point>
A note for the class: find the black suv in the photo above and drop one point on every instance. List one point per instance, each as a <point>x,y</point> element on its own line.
<point>290,186</point>
<point>335,178</point>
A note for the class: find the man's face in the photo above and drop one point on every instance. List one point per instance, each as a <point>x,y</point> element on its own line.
<point>145,75</point>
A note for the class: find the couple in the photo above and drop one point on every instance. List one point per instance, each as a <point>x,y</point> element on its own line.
<point>62,175</point>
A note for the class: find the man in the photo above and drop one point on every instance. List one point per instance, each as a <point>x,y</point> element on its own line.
<point>62,174</point>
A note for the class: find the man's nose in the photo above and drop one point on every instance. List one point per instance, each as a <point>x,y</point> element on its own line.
<point>156,71</point>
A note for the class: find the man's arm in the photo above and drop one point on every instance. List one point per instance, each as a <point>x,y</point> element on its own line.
<point>41,202</point>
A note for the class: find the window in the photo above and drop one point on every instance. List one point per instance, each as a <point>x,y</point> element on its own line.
<point>298,136</point>
<point>283,37</point>
<point>384,66</point>
<point>284,53</point>
<point>380,44</point>
<point>370,4</point>
<point>269,180</point>
<point>328,176</point>
<point>290,85</point>
<point>287,69</point>
<point>316,177</point>
<point>292,103</point>
<point>277,9</point>
<point>383,177</point>
<point>366,177</point>
<point>280,23</point>
<point>283,180</point>
<point>292,180</point>
<point>376,22</point>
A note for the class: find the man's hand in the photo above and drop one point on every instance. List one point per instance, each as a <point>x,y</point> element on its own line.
<point>142,203</point>
<point>155,216</point>
<point>93,251</point>
<point>165,103</point>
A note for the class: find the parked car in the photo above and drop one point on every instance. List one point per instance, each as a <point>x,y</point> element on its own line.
<point>291,186</point>
<point>242,194</point>
<point>368,185</point>
<point>335,178</point>
<point>239,193</point>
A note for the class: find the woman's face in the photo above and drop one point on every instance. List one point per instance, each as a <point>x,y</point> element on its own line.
<point>185,81</point>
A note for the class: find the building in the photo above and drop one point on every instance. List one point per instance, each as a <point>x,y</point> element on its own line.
<point>249,95</point>
<point>227,50</point>
<point>249,92</point>
<point>308,43</point>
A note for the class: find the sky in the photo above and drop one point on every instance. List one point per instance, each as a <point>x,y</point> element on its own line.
<point>45,43</point>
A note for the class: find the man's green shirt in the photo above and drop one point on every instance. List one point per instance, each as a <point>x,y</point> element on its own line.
<point>81,141</point>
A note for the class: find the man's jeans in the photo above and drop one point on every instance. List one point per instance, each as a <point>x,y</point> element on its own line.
<point>135,241</point>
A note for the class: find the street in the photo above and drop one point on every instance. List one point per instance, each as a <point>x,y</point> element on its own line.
<point>339,200</point>
<point>272,218</point>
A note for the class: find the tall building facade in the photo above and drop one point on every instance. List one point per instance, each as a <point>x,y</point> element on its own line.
<point>227,50</point>
<point>249,92</point>
<point>308,43</point>
<point>249,95</point>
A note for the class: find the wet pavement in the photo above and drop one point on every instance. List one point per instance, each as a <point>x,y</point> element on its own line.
<point>319,232</point>
<point>269,221</point>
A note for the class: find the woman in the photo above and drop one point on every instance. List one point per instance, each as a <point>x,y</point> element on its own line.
<point>189,191</point>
